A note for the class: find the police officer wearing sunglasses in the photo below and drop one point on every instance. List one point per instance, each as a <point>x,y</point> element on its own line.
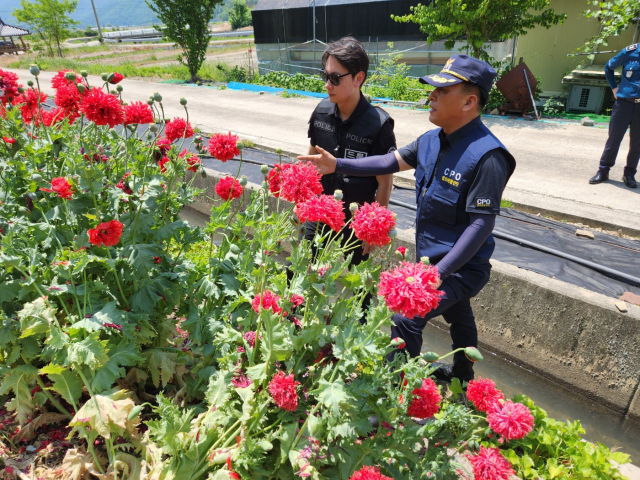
<point>348,126</point>
<point>461,172</point>
<point>625,113</point>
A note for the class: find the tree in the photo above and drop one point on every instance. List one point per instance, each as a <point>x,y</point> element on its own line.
<point>49,18</point>
<point>186,22</point>
<point>240,15</point>
<point>479,21</point>
<point>614,16</point>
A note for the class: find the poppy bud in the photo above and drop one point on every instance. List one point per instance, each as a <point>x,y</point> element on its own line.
<point>113,92</point>
<point>70,76</point>
<point>153,128</point>
<point>367,279</point>
<point>430,356</point>
<point>243,180</point>
<point>110,77</point>
<point>473,354</point>
<point>30,83</point>
<point>239,145</point>
<point>425,260</point>
<point>264,169</point>
<point>321,342</point>
<point>135,411</point>
<point>353,207</point>
<point>183,101</point>
<point>104,76</point>
<point>119,88</point>
<point>34,70</point>
<point>396,342</point>
<point>401,253</point>
<point>84,73</point>
<point>279,151</point>
<point>20,89</point>
<point>393,233</point>
<point>294,242</point>
<point>157,97</point>
<point>198,139</point>
<point>203,174</point>
<point>149,136</point>
<point>338,195</point>
<point>235,249</point>
<point>81,88</point>
<point>36,177</point>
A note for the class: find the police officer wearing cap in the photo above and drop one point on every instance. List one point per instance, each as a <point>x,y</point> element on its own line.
<point>461,172</point>
<point>348,126</point>
<point>625,113</point>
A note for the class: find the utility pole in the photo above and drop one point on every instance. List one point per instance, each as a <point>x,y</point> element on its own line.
<point>314,33</point>
<point>97,22</point>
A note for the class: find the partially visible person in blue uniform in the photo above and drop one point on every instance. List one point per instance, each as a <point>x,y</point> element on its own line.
<point>625,113</point>
<point>461,172</point>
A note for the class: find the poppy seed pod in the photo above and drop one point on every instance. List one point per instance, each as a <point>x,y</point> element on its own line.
<point>183,101</point>
<point>243,180</point>
<point>119,88</point>
<point>425,260</point>
<point>150,101</point>
<point>153,128</point>
<point>30,83</point>
<point>338,195</point>
<point>353,207</point>
<point>157,97</point>
<point>239,146</point>
<point>84,73</point>
<point>393,233</point>
<point>279,151</point>
<point>20,89</point>
<point>264,169</point>
<point>70,76</point>
<point>34,70</point>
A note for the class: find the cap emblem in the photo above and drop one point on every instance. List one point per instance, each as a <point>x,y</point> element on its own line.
<point>440,79</point>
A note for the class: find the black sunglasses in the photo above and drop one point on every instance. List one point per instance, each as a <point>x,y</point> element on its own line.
<point>334,78</point>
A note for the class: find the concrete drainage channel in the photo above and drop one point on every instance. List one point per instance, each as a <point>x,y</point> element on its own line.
<point>570,349</point>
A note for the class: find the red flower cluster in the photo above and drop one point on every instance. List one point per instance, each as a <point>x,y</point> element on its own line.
<point>8,86</point>
<point>138,113</point>
<point>117,78</point>
<point>69,98</point>
<point>402,251</point>
<point>268,300</point>
<point>52,117</point>
<point>489,464</point>
<point>163,144</point>
<point>162,163</point>
<point>9,140</point>
<point>107,233</point>
<point>425,401</point>
<point>372,224</point>
<point>192,160</point>
<point>223,147</point>
<point>59,79</point>
<point>511,420</point>
<point>241,381</point>
<point>250,337</point>
<point>408,289</point>
<point>324,208</point>
<point>29,102</point>
<point>124,186</point>
<point>484,394</point>
<point>178,128</point>
<point>369,473</point>
<point>61,186</point>
<point>283,391</point>
<point>102,108</point>
<point>229,188</point>
<point>300,182</point>
<point>296,300</point>
<point>275,178</point>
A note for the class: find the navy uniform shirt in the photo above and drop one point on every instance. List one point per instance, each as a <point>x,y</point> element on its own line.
<point>629,58</point>
<point>491,173</point>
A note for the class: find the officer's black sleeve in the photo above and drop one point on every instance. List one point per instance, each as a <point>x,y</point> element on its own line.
<point>311,132</point>
<point>490,179</point>
<point>385,141</point>
<point>410,154</point>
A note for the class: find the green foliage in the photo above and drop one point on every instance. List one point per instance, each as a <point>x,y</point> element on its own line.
<point>186,22</point>
<point>555,106</point>
<point>299,81</point>
<point>615,17</point>
<point>479,21</point>
<point>240,15</point>
<point>49,18</point>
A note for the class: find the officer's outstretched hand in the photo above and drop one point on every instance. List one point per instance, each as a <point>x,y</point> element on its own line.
<point>324,162</point>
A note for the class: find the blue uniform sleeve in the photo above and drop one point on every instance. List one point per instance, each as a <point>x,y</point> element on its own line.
<point>486,190</point>
<point>612,64</point>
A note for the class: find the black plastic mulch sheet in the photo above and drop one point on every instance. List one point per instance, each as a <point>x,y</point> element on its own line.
<point>616,253</point>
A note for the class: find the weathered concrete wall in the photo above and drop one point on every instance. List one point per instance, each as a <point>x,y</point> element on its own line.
<point>572,336</point>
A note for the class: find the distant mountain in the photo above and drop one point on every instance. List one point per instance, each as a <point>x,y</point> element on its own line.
<point>117,13</point>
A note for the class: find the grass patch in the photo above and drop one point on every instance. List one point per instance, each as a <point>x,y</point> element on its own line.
<point>578,116</point>
<point>504,203</point>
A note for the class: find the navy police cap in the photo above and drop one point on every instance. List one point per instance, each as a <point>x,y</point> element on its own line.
<point>463,68</point>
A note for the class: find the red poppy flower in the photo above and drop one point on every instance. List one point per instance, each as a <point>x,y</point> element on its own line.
<point>408,289</point>
<point>241,381</point>
<point>106,233</point>
<point>400,344</point>
<point>324,208</point>
<point>283,391</point>
<point>8,86</point>
<point>9,140</point>
<point>192,160</point>
<point>52,117</point>
<point>250,337</point>
<point>102,108</point>
<point>489,464</point>
<point>138,113</point>
<point>369,473</point>
<point>68,98</point>
<point>268,300</point>
<point>296,300</point>
<point>60,80</point>
<point>29,103</point>
<point>223,147</point>
<point>123,185</point>
<point>300,183</point>
<point>425,401</point>
<point>177,128</point>
<point>275,178</point>
<point>229,188</point>
<point>512,420</point>
<point>484,394</point>
<point>372,224</point>
<point>117,78</point>
<point>61,186</point>
<point>162,164</point>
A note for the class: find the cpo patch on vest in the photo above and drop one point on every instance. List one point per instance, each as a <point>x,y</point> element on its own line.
<point>484,203</point>
<point>633,47</point>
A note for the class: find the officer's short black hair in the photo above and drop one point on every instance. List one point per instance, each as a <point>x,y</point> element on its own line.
<point>473,89</point>
<point>350,53</point>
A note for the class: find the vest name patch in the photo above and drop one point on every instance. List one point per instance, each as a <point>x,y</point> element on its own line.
<point>450,181</point>
<point>483,203</point>
<point>348,153</point>
<point>324,126</point>
<point>357,139</point>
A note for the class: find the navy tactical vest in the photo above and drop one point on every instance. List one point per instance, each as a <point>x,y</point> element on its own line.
<point>357,142</point>
<point>441,215</point>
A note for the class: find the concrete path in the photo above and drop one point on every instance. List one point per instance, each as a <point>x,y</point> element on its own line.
<point>555,161</point>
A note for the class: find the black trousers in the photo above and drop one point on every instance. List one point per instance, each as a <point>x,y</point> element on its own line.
<point>455,307</point>
<point>623,115</point>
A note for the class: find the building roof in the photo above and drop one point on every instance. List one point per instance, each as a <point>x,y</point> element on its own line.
<point>11,31</point>
<point>286,4</point>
